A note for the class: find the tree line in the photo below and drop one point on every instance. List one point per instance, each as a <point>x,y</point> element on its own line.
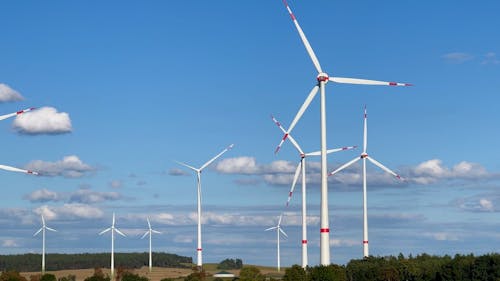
<point>420,268</point>
<point>32,262</point>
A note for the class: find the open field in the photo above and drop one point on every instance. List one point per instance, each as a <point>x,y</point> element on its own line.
<point>157,273</point>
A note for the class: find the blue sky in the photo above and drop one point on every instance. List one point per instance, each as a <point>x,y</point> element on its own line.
<point>126,88</point>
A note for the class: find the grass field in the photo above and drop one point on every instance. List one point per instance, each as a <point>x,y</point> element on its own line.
<point>157,273</point>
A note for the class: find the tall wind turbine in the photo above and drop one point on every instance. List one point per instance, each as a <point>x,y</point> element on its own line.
<point>278,230</point>
<point>150,233</point>
<point>364,156</point>
<point>9,168</point>
<point>113,229</point>
<point>42,229</point>
<point>301,167</point>
<point>198,171</point>
<point>321,80</point>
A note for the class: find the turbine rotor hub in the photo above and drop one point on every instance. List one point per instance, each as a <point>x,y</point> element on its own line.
<point>322,77</point>
<point>364,155</point>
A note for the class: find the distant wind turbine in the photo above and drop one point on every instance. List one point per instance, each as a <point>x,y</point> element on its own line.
<point>9,168</point>
<point>278,230</point>
<point>113,229</point>
<point>364,156</point>
<point>322,79</point>
<point>150,233</point>
<point>301,167</point>
<point>42,229</point>
<point>198,171</point>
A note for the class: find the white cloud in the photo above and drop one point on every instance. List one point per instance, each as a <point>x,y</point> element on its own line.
<point>177,172</point>
<point>238,165</point>
<point>42,195</point>
<point>490,58</point>
<point>7,94</point>
<point>486,204</point>
<point>458,57</point>
<point>72,210</point>
<point>442,236</point>
<point>115,184</point>
<point>431,171</point>
<point>9,243</point>
<point>89,196</point>
<point>45,120</point>
<point>69,167</point>
<point>344,242</point>
<point>183,239</point>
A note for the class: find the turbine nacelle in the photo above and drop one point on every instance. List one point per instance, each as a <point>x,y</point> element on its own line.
<point>363,155</point>
<point>323,77</point>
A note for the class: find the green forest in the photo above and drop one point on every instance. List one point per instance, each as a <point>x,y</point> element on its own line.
<point>31,262</point>
<point>420,268</point>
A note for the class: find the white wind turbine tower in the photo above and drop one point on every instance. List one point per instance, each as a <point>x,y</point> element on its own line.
<point>198,171</point>
<point>9,168</point>
<point>364,156</point>
<point>150,233</point>
<point>113,229</point>
<point>42,229</point>
<point>322,79</point>
<point>301,169</point>
<point>278,230</point>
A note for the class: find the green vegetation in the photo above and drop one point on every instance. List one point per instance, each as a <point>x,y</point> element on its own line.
<point>230,264</point>
<point>31,262</point>
<point>251,273</point>
<point>421,268</point>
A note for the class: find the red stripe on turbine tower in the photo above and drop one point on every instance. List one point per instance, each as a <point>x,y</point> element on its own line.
<point>199,249</point>
<point>304,241</point>
<point>365,241</point>
<point>323,230</point>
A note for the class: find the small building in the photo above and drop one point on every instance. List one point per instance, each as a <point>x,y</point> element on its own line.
<point>224,274</point>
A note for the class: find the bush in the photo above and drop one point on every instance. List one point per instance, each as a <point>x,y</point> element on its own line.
<point>48,277</point>
<point>250,273</point>
<point>11,276</point>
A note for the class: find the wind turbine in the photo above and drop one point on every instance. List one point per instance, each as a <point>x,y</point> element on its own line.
<point>113,229</point>
<point>3,117</point>
<point>322,79</point>
<point>42,229</point>
<point>364,156</point>
<point>9,168</point>
<point>150,232</point>
<point>198,171</point>
<point>301,167</point>
<point>278,230</point>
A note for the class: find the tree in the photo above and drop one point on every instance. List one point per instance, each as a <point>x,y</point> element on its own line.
<point>48,277</point>
<point>331,272</point>
<point>128,276</point>
<point>251,273</point>
<point>98,276</point>
<point>295,273</point>
<point>230,264</point>
<point>11,276</point>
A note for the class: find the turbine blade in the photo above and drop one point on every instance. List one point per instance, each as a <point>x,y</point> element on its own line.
<point>145,234</point>
<point>149,223</point>
<point>283,232</point>
<point>295,178</point>
<point>104,231</point>
<point>216,156</point>
<point>301,111</point>
<point>356,81</point>
<point>3,117</point>
<point>279,221</point>
<point>51,229</point>
<point>186,165</point>
<point>119,232</point>
<point>271,228</point>
<point>292,140</point>
<point>365,132</point>
<point>304,39</point>
<point>43,220</point>
<point>378,164</point>
<point>156,231</point>
<point>317,153</point>
<point>344,166</point>
<point>113,219</point>
<point>13,169</point>
<point>38,231</point>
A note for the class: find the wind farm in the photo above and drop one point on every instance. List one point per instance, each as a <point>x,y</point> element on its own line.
<point>136,106</point>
